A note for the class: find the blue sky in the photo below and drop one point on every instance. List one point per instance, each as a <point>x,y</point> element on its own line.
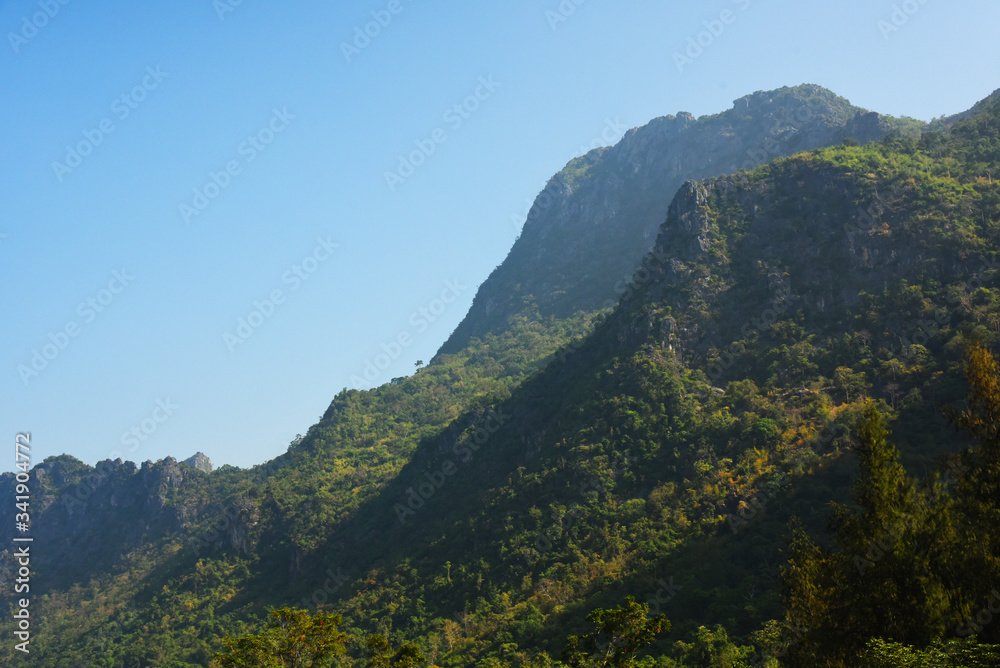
<point>173,168</point>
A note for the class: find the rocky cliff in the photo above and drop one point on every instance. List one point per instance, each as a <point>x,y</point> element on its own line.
<point>100,514</point>
<point>595,220</point>
<point>199,461</point>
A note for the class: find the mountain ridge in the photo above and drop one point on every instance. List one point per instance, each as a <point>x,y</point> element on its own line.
<point>578,248</point>
<point>673,440</point>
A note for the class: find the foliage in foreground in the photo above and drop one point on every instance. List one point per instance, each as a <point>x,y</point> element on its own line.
<point>294,639</point>
<point>914,563</point>
<point>297,639</point>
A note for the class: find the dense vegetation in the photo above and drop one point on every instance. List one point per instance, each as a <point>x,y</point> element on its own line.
<point>682,450</point>
<point>913,563</point>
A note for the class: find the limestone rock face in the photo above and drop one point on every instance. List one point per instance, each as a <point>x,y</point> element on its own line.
<point>199,461</point>
<point>736,251</point>
<point>687,223</point>
<point>99,514</point>
<point>596,219</point>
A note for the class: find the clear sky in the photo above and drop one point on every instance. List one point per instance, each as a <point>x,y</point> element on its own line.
<point>123,287</point>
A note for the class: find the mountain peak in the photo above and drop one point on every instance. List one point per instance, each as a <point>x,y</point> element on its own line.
<point>200,461</point>
<point>597,218</point>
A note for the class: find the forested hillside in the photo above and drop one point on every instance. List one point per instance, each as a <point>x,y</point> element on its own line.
<point>683,452</point>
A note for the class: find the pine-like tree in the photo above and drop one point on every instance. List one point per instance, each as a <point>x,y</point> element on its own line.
<point>977,496</point>
<point>879,581</point>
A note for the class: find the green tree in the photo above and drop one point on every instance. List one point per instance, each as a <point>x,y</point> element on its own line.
<point>712,649</point>
<point>881,582</point>
<point>381,656</point>
<point>294,639</point>
<point>618,636</point>
<point>852,383</point>
<point>978,489</point>
<point>952,654</point>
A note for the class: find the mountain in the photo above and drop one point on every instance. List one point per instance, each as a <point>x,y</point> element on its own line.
<point>661,456</point>
<point>595,220</point>
<point>200,461</point>
<point>483,507</point>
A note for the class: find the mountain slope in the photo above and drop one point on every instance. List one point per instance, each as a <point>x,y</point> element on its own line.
<point>596,219</point>
<point>392,419</point>
<point>800,288</point>
<point>657,457</point>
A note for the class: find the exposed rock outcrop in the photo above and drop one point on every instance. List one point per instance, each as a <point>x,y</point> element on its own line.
<point>596,219</point>
<point>200,461</point>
